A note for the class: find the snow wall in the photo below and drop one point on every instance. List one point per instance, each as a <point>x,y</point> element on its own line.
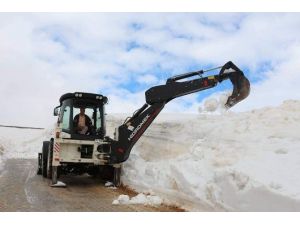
<point>213,161</point>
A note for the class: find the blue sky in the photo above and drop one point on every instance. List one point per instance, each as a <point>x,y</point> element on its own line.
<point>44,55</point>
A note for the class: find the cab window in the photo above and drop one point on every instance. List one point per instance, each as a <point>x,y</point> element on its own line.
<point>66,118</point>
<point>88,112</point>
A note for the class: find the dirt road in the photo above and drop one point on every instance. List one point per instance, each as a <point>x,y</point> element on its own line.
<point>22,190</point>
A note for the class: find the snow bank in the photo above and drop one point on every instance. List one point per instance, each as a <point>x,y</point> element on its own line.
<point>139,199</point>
<point>233,161</point>
<point>22,143</point>
<point>215,160</point>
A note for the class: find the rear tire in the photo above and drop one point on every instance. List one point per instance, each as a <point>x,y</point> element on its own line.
<point>94,171</point>
<point>45,157</point>
<point>106,172</point>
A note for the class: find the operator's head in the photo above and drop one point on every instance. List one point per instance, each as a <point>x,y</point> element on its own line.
<point>82,110</point>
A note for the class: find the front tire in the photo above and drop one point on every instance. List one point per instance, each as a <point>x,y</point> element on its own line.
<point>45,157</point>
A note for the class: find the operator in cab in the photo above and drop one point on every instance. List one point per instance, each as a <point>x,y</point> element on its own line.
<point>82,123</point>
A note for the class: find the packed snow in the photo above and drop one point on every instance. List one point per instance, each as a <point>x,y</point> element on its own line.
<point>59,184</point>
<point>22,143</point>
<point>222,161</point>
<point>141,199</point>
<point>216,160</point>
<point>108,184</point>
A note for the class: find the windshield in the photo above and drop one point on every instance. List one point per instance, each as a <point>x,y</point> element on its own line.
<point>92,114</point>
<point>82,118</point>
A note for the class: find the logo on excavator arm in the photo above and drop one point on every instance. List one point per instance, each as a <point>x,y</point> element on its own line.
<point>138,127</point>
<point>129,127</point>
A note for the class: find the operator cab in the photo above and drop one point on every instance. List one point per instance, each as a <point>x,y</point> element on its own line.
<point>91,106</point>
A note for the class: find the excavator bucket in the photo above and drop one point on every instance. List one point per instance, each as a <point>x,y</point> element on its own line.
<point>241,88</point>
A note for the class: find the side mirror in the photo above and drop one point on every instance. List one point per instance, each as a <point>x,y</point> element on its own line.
<point>56,111</point>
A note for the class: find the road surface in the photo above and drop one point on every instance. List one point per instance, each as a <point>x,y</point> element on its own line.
<point>22,190</point>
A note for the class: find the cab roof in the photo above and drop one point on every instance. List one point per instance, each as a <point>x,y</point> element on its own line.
<point>82,95</point>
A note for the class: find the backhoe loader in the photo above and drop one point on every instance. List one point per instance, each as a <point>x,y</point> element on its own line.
<point>91,151</point>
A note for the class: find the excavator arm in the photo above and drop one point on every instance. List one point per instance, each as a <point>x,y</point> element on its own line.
<point>156,97</point>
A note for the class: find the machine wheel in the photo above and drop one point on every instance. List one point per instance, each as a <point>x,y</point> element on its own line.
<point>117,176</point>
<point>49,160</point>
<point>45,157</point>
<point>94,171</point>
<point>106,172</point>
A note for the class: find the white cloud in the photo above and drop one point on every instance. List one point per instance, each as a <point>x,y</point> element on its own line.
<point>147,79</point>
<point>45,55</point>
<point>281,84</point>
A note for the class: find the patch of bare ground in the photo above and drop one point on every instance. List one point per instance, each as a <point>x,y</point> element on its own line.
<point>164,207</point>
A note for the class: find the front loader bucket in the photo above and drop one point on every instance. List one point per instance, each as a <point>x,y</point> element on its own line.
<point>241,89</point>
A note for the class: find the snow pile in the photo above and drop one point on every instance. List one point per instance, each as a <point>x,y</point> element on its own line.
<point>216,160</point>
<point>22,143</point>
<point>233,161</point>
<point>108,184</point>
<point>141,199</point>
<point>59,184</point>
